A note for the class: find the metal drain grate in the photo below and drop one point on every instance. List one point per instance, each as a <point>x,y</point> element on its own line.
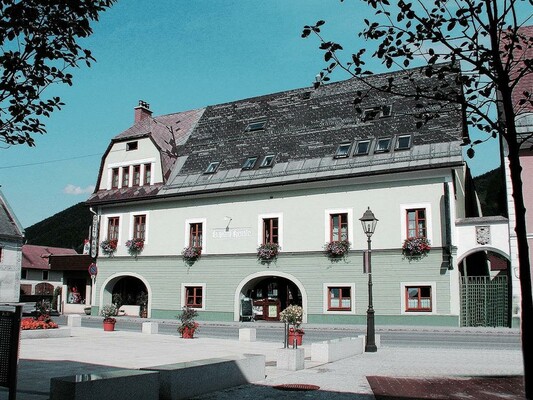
<point>300,387</point>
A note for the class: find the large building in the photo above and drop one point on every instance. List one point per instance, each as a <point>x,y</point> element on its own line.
<point>292,171</point>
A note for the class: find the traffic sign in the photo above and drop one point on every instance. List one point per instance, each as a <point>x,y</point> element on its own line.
<point>93,270</point>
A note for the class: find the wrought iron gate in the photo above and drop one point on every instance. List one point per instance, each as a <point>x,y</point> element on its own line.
<point>484,301</point>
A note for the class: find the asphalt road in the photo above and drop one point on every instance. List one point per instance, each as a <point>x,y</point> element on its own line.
<point>485,338</point>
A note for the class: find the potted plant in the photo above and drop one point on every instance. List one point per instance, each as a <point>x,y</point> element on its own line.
<point>337,249</point>
<point>293,315</point>
<point>191,254</point>
<point>135,246</point>
<point>109,247</point>
<point>415,248</point>
<point>108,312</point>
<point>87,310</point>
<point>268,252</point>
<point>188,325</point>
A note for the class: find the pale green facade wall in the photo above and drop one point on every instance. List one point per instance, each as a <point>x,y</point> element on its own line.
<point>232,226</point>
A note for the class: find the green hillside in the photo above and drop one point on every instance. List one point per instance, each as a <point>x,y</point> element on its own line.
<point>67,229</point>
<point>491,191</point>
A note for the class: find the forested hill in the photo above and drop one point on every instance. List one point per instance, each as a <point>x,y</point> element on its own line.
<point>67,229</point>
<point>491,191</point>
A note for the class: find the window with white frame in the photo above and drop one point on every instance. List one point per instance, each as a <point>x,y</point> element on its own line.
<point>339,298</point>
<point>195,233</point>
<point>139,226</point>
<point>343,150</point>
<point>418,297</point>
<point>147,174</point>
<point>193,295</point>
<point>113,225</point>
<point>338,225</point>
<point>114,178</point>
<point>362,148</point>
<point>270,229</point>
<point>416,221</point>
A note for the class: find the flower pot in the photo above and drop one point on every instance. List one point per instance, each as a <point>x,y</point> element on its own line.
<point>188,333</point>
<point>109,326</point>
<point>87,310</point>
<point>295,335</point>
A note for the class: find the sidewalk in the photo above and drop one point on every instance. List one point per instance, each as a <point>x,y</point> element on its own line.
<point>93,350</point>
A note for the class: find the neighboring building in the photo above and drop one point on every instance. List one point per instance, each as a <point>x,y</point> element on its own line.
<point>295,169</point>
<point>524,126</point>
<point>11,239</point>
<point>46,268</point>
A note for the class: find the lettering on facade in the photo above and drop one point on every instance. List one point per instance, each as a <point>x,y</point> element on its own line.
<point>483,235</point>
<point>231,233</point>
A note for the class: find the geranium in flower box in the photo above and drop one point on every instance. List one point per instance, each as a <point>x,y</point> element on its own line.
<point>415,248</point>
<point>109,247</point>
<point>268,252</point>
<point>135,246</point>
<point>337,249</point>
<point>191,254</point>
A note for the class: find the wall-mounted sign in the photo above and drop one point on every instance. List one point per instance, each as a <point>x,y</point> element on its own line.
<point>231,233</point>
<point>94,237</point>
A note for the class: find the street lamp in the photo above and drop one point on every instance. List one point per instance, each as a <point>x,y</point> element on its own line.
<point>369,222</point>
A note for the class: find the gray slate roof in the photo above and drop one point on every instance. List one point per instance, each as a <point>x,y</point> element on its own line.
<point>10,227</point>
<point>303,129</point>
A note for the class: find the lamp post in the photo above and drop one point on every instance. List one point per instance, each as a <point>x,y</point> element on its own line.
<point>369,222</point>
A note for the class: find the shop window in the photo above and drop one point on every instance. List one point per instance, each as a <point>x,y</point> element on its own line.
<point>195,234</point>
<point>125,176</point>
<point>136,175</point>
<point>114,178</point>
<point>270,230</point>
<point>416,223</point>
<point>25,289</point>
<point>45,276</point>
<point>112,228</point>
<point>76,291</point>
<point>147,174</point>
<point>338,227</point>
<point>418,298</point>
<point>139,227</point>
<point>194,296</point>
<point>339,298</point>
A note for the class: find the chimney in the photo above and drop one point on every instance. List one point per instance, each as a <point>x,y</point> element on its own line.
<point>142,111</point>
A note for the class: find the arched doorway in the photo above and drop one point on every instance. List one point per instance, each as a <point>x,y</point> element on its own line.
<point>270,294</point>
<point>129,292</point>
<point>485,289</point>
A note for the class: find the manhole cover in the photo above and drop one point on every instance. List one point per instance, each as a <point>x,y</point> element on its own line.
<point>296,387</point>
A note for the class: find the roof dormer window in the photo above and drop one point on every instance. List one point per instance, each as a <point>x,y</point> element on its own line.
<point>132,146</point>
<point>212,167</point>
<point>256,126</point>
<point>268,161</point>
<point>383,145</point>
<point>403,142</point>
<point>249,163</point>
<point>343,150</point>
<point>373,113</point>
<point>362,147</point>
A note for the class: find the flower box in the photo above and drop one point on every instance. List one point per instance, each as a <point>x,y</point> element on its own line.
<point>268,252</point>
<point>135,246</point>
<point>337,249</point>
<point>415,248</point>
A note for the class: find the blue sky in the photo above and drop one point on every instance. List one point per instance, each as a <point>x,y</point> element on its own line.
<point>176,55</point>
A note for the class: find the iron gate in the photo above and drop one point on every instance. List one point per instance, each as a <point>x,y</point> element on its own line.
<point>484,301</point>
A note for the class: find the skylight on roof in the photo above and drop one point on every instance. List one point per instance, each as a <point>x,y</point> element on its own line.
<point>363,146</point>
<point>249,163</point>
<point>343,150</point>
<point>268,161</point>
<point>212,167</point>
<point>256,126</point>
<point>383,145</point>
<point>403,142</point>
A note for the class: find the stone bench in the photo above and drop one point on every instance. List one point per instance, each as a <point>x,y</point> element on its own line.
<point>117,385</point>
<point>334,350</point>
<point>195,378</point>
